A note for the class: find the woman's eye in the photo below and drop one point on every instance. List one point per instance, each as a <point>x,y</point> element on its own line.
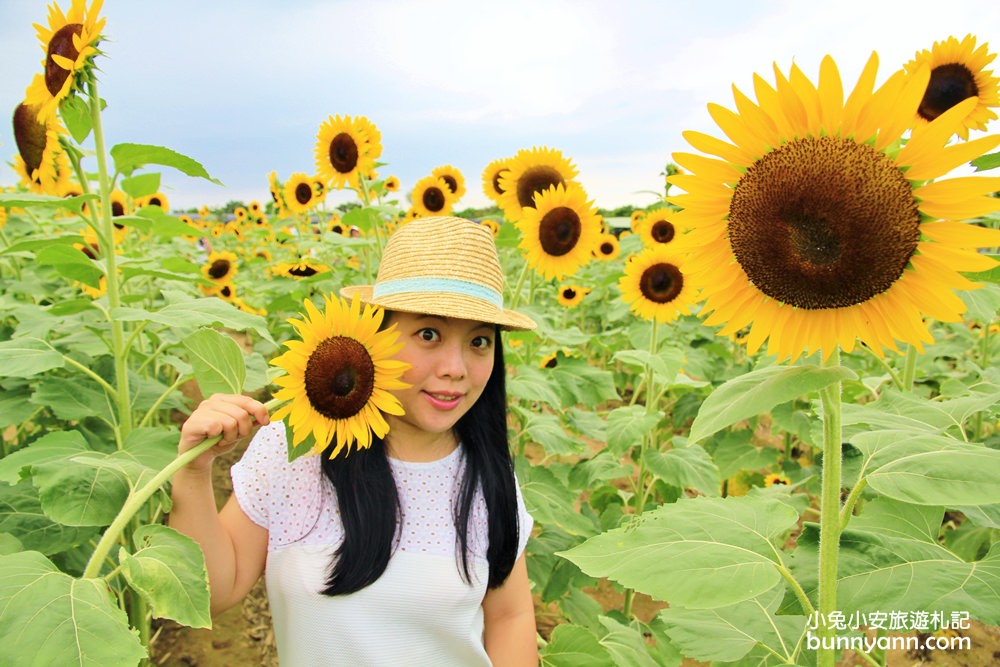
<point>429,335</point>
<point>482,342</point>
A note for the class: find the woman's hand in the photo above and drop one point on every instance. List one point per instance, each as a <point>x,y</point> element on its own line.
<point>232,416</point>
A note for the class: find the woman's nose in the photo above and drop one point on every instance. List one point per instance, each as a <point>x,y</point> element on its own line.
<point>451,362</point>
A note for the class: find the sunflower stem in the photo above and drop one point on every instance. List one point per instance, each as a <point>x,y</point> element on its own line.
<point>517,288</point>
<point>830,520</point>
<point>120,351</point>
<point>909,368</point>
<point>896,380</point>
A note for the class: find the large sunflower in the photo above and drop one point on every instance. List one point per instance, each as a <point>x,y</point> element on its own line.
<point>453,177</point>
<point>656,286</point>
<point>958,72</point>
<point>656,227</point>
<point>532,171</point>
<point>432,196</point>
<point>815,229</point>
<point>345,148</point>
<point>40,160</point>
<point>339,376</point>
<point>300,195</point>
<point>69,42</point>
<point>560,232</point>
<point>491,178</point>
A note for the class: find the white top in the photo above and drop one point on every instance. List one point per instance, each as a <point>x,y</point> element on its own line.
<point>419,612</point>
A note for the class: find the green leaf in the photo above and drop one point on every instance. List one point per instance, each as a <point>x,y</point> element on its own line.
<point>168,570</point>
<point>701,553</point>
<point>987,516</point>
<point>141,185</point>
<point>758,391</point>
<point>736,452</point>
<point>80,495</point>
<point>38,242</point>
<point>198,313</point>
<point>685,467</point>
<point>530,384</point>
<point>729,633</point>
<point>53,446</point>
<point>21,515</point>
<point>26,357</point>
<point>74,399</point>
<point>14,406</point>
<point>166,226</point>
<point>50,618</point>
<point>549,502</point>
<point>574,646</point>
<point>217,361</point>
<point>987,162</point>
<point>546,430</point>
<point>625,644</point>
<point>899,519</point>
<point>665,364</point>
<point>76,114</point>
<point>982,303</point>
<point>579,383</point>
<point>153,448</point>
<point>27,200</point>
<point>129,157</point>
<point>628,425</point>
<point>70,263</point>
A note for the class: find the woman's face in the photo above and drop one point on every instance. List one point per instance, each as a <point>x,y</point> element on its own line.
<point>450,362</point>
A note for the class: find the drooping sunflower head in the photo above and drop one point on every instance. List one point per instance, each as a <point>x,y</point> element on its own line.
<point>531,172</point>
<point>346,148</point>
<point>220,267</point>
<point>432,196</point>
<point>815,230</point>
<point>299,193</point>
<point>655,285</point>
<point>339,377</point>
<point>453,178</point>
<point>70,45</point>
<point>958,72</point>
<point>657,227</point>
<point>571,295</point>
<point>491,178</point>
<point>560,232</point>
<point>607,247</point>
<point>40,158</point>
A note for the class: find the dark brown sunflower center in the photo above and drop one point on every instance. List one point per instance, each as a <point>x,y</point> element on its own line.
<point>303,193</point>
<point>949,85</point>
<point>823,223</point>
<point>569,293</point>
<point>433,199</point>
<point>607,248</point>
<point>551,363</point>
<point>344,153</point>
<point>303,271</point>
<point>661,283</point>
<point>219,269</point>
<point>29,135</point>
<point>496,181</point>
<point>226,291</point>
<point>117,208</point>
<point>451,182</point>
<point>61,44</point>
<point>339,377</point>
<point>559,231</point>
<point>535,180</point>
<point>662,231</point>
<point>156,201</point>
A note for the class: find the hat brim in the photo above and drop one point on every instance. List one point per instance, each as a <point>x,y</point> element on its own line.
<point>443,304</point>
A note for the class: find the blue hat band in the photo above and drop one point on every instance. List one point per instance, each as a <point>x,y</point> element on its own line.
<point>447,285</point>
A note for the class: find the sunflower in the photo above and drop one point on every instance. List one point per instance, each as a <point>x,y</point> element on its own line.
<point>300,195</point>
<point>40,160</point>
<point>559,233</point>
<point>155,199</point>
<point>335,224</point>
<point>816,229</point>
<point>957,73</point>
<point>69,43</point>
<point>453,177</point>
<point>532,172</point>
<point>119,204</point>
<point>637,222</point>
<point>346,148</point>
<point>240,213</point>
<point>226,292</point>
<point>607,247</point>
<point>254,209</point>
<point>301,269</point>
<point>549,361</point>
<point>493,225</point>
<point>391,184</point>
<point>94,292</point>
<point>776,478</point>
<point>572,295</point>
<point>432,196</point>
<point>340,377</point>
<point>657,228</point>
<point>220,267</point>
<point>656,286</point>
<point>491,178</point>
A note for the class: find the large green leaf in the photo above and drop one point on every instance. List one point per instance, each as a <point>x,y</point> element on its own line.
<point>982,303</point>
<point>129,157</point>
<point>154,448</point>
<point>50,618</point>
<point>529,384</point>
<point>548,431</point>
<point>141,185</point>
<point>625,644</point>
<point>76,494</point>
<point>53,446</point>
<point>549,501</point>
<point>27,200</point>
<point>701,553</point>
<point>70,263</point>
<point>898,410</point>
<point>217,360</point>
<point>14,406</point>
<point>758,391</point>
<point>736,452</point>
<point>73,399</point>
<point>197,313</point>
<point>21,515</point>
<point>25,357</point>
<point>574,646</point>
<point>579,383</point>
<point>628,425</point>
<point>665,364</point>
<point>729,633</point>
<point>685,467</point>
<point>168,569</point>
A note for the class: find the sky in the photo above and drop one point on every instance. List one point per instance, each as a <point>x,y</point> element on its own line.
<point>243,86</point>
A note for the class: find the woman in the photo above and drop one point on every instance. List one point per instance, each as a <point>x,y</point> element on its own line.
<point>410,552</point>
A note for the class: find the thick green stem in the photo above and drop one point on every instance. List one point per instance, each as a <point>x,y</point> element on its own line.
<point>120,350</point>
<point>852,499</point>
<point>829,531</point>
<point>800,594</point>
<point>910,368</point>
<point>517,288</point>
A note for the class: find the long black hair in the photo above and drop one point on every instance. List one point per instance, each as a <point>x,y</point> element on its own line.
<point>369,501</point>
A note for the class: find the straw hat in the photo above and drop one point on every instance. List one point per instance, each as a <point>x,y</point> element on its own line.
<point>442,266</point>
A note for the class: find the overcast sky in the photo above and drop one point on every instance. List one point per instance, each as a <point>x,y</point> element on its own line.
<point>242,86</point>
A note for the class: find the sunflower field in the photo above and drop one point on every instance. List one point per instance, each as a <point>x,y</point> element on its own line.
<point>760,426</point>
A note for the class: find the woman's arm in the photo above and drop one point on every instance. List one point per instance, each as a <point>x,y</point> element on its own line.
<point>509,620</point>
<point>235,547</point>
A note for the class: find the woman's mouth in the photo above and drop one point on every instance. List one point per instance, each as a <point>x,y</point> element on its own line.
<point>444,400</point>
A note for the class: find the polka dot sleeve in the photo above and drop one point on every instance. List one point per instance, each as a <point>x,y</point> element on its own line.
<point>283,497</point>
<point>524,521</point>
